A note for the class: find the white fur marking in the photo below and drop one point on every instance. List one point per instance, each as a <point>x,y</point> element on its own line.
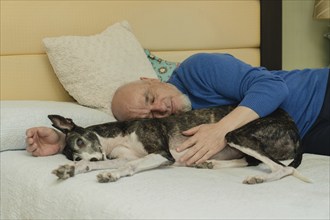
<point>123,147</point>
<point>218,164</point>
<point>272,165</point>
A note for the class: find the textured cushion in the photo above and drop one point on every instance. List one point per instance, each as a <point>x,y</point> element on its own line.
<point>163,68</point>
<point>92,67</point>
<point>17,116</point>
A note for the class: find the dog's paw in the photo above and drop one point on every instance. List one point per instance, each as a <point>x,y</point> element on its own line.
<point>106,177</point>
<point>254,180</point>
<point>166,163</point>
<point>64,171</point>
<point>204,165</point>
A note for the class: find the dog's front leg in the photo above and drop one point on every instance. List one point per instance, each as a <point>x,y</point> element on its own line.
<point>83,166</point>
<point>148,162</point>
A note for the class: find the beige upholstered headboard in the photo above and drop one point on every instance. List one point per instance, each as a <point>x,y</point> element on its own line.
<point>171,29</point>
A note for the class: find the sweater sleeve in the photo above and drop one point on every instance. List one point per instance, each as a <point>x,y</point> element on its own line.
<point>262,92</point>
<point>253,87</point>
<point>230,78</point>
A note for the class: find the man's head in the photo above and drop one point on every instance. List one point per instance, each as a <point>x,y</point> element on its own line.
<point>148,98</point>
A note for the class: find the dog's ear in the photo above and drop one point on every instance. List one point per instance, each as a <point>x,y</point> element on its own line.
<point>63,124</point>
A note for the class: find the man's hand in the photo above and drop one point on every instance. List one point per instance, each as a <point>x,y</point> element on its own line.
<point>43,141</point>
<point>206,140</point>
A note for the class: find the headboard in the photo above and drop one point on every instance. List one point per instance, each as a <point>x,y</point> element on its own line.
<point>172,30</point>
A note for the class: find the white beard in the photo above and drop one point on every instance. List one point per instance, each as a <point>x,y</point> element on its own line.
<point>186,104</point>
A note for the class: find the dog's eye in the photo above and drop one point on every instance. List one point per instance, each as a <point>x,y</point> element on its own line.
<point>80,142</point>
<point>77,159</point>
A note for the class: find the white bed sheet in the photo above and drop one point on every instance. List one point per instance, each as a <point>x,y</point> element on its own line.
<point>30,191</point>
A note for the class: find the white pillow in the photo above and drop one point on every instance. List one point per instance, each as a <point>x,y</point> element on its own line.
<point>91,68</point>
<point>17,116</point>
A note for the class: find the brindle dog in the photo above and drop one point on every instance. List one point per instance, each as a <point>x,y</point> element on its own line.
<point>132,146</point>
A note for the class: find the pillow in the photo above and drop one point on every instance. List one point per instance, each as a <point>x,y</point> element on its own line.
<point>17,116</point>
<point>91,68</point>
<point>163,68</point>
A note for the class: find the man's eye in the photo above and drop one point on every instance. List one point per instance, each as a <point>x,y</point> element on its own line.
<point>80,142</point>
<point>150,99</point>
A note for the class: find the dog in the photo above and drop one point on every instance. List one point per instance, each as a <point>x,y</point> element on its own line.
<point>129,147</point>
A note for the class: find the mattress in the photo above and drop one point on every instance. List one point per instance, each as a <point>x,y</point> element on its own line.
<point>30,191</point>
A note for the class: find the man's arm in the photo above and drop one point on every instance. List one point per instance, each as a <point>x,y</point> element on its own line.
<point>208,139</point>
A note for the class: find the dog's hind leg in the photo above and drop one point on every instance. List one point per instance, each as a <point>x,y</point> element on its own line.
<point>278,171</point>
<point>148,162</point>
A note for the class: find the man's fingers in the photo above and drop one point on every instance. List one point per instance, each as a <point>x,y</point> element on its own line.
<point>31,148</point>
<point>36,152</point>
<point>191,131</point>
<point>29,141</point>
<point>198,155</point>
<point>29,132</point>
<point>190,155</point>
<point>206,156</point>
<point>188,143</point>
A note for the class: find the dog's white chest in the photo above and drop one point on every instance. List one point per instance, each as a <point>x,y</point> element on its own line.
<point>128,147</point>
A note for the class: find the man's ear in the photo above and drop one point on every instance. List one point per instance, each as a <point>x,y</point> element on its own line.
<point>150,79</point>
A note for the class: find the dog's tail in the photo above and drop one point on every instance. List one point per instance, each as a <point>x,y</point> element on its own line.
<point>300,176</point>
<point>297,159</point>
<point>295,163</point>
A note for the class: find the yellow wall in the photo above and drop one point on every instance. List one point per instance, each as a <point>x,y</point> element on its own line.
<point>303,43</point>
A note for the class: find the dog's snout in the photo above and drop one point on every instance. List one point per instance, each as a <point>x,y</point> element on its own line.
<point>93,159</point>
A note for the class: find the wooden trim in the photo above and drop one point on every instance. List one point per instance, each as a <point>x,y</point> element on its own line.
<point>271,34</point>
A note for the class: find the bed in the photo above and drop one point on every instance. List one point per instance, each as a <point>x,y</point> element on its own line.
<point>49,53</point>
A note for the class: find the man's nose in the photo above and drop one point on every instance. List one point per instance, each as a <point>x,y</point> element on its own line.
<point>159,110</point>
<point>158,106</point>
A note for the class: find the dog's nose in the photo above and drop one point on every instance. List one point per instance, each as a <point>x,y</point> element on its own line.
<point>93,159</point>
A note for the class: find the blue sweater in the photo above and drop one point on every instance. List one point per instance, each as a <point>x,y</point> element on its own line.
<point>221,79</point>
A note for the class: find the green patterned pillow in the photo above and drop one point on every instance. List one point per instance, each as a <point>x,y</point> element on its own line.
<point>163,68</point>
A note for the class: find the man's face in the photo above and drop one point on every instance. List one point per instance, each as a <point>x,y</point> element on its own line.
<point>148,98</point>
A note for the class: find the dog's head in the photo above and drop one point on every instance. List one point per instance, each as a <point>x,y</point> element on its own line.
<point>81,144</point>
